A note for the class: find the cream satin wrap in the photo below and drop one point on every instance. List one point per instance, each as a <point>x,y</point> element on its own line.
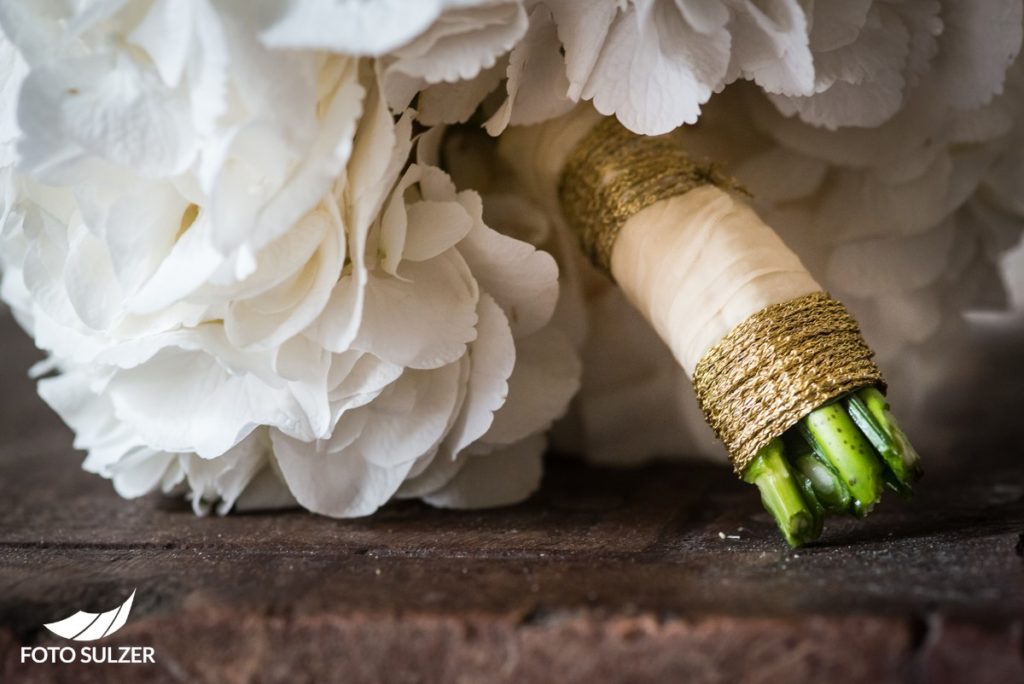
<point>700,264</point>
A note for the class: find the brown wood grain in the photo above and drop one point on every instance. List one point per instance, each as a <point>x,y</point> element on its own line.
<point>605,575</point>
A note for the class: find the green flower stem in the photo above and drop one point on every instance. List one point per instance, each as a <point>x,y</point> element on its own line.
<point>838,442</point>
<point>870,411</point>
<point>835,460</point>
<point>813,503</point>
<point>782,496</point>
<point>828,487</point>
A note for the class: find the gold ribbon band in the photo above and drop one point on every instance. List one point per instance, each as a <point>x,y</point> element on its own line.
<point>613,173</point>
<point>776,367</point>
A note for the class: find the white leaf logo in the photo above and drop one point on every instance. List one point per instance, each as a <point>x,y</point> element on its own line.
<point>84,626</point>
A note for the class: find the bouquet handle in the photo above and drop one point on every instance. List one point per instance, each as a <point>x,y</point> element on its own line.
<point>781,370</point>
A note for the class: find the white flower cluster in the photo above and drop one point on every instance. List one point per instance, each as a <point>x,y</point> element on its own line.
<point>654,63</point>
<point>212,226</point>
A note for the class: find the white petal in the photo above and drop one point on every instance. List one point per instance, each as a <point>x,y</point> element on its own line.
<point>141,472</point>
<point>109,107</point>
<point>362,376</point>
<point>89,278</point>
<point>980,125</point>
<point>537,84</point>
<point>545,378</point>
<point>271,318</point>
<point>465,42</point>
<point>115,450</point>
<point>324,159</point>
<point>761,174</point>
<point>341,485</point>
<point>191,261</point>
<point>501,478</point>
<point>341,318</point>
<point>166,34</point>
<point>435,307</point>
<point>394,223</point>
<point>359,28</point>
<point>492,357</point>
<point>373,448</point>
<point>979,42</point>
<point>876,268</point>
<point>89,415</point>
<point>654,77</point>
<point>522,279</point>
<point>279,261</point>
<point>409,418</point>
<point>860,84</point>
<point>861,205</point>
<point>836,24</point>
<point>141,229</point>
<point>449,103</point>
<point>434,227</point>
<point>302,360</point>
<point>188,400</point>
<point>223,479</point>
<point>13,71</point>
<point>208,68</point>
<point>35,27</point>
<point>771,46</point>
<point>380,153</point>
<point>924,22</point>
<point>582,28</point>
<point>257,162</point>
<point>430,474</point>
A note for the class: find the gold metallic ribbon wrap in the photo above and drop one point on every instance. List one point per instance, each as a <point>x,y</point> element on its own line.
<point>613,173</point>
<point>776,367</point>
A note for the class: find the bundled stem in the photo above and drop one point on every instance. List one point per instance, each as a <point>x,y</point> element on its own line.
<point>837,459</point>
<point>796,511</point>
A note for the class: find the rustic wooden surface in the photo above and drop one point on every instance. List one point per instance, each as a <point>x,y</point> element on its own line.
<point>604,576</point>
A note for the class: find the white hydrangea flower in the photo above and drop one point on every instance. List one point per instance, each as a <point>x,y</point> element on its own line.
<point>870,55</point>
<point>246,293</point>
<point>654,63</point>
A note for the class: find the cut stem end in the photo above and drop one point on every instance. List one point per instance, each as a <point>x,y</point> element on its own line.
<point>837,459</point>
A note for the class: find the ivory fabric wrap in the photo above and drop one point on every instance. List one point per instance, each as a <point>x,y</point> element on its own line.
<point>699,264</point>
<point>741,314</point>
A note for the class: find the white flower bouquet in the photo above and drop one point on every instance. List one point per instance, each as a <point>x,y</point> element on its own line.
<point>271,263</point>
